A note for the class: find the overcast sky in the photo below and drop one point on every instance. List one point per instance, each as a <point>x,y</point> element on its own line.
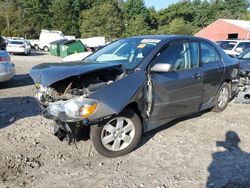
<point>159,4</point>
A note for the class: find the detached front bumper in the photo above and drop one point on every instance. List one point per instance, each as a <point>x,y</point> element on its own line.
<point>7,71</point>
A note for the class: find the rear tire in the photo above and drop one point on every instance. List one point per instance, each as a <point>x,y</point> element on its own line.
<point>222,98</point>
<point>119,136</point>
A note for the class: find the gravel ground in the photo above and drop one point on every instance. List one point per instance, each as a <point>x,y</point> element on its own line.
<point>205,150</point>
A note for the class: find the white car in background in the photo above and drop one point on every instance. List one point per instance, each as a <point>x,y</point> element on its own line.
<point>18,47</point>
<point>76,57</point>
<point>234,47</point>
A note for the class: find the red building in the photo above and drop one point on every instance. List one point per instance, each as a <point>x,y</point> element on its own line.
<point>226,29</point>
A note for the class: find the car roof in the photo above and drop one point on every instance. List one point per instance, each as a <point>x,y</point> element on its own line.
<point>162,37</point>
<point>233,40</point>
<point>169,37</point>
<point>153,36</point>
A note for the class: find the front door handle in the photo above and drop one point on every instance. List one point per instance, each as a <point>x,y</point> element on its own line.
<point>197,76</point>
<point>219,68</point>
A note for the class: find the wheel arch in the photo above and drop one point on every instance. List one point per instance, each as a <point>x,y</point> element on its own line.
<point>135,107</point>
<point>229,81</point>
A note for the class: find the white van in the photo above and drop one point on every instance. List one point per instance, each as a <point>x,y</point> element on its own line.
<point>47,36</point>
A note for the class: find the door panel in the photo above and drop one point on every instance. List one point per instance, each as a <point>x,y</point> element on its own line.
<point>213,69</point>
<point>178,92</point>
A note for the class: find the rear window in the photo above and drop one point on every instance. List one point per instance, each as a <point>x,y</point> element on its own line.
<point>227,45</point>
<point>16,42</point>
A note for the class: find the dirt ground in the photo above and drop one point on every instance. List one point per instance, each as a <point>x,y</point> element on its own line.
<point>206,150</point>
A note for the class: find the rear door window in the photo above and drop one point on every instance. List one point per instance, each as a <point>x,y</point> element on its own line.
<point>208,53</point>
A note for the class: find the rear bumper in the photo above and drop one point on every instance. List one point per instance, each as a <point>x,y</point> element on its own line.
<point>16,50</point>
<point>7,71</point>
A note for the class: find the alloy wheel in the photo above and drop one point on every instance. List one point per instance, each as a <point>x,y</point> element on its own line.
<point>223,97</point>
<point>118,133</point>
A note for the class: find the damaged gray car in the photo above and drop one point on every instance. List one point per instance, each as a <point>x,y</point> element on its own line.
<point>134,85</point>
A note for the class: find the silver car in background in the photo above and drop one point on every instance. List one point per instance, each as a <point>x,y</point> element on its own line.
<point>7,69</point>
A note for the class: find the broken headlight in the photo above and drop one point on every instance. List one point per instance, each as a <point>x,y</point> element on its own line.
<point>43,91</point>
<point>72,110</point>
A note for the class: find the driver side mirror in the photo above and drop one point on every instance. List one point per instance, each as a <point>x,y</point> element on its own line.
<point>161,67</point>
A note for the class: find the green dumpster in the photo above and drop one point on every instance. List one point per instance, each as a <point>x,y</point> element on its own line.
<point>72,47</point>
<point>55,47</point>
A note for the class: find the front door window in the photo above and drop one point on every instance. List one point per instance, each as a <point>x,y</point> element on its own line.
<point>182,56</point>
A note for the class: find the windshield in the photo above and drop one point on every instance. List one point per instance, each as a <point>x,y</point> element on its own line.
<point>128,52</point>
<point>227,45</point>
<point>245,55</point>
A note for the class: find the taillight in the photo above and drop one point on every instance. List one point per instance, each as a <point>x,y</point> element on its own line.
<point>3,59</point>
<point>21,46</point>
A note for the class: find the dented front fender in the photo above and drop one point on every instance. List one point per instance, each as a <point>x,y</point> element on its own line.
<point>116,96</point>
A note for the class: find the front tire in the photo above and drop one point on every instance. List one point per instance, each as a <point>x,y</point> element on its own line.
<point>36,47</point>
<point>222,98</point>
<point>119,136</point>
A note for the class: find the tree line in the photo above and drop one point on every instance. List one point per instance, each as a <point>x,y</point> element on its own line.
<point>114,18</point>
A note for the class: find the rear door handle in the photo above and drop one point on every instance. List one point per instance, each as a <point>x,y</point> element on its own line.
<point>197,76</point>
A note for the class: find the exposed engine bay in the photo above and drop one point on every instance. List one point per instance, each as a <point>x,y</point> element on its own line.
<point>81,85</point>
<point>74,91</point>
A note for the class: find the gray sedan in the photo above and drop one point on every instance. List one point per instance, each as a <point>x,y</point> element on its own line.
<point>134,85</point>
<point>7,69</point>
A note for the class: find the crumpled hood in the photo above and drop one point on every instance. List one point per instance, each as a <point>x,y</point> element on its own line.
<point>49,73</point>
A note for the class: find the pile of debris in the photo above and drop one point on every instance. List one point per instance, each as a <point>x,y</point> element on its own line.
<point>243,95</point>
